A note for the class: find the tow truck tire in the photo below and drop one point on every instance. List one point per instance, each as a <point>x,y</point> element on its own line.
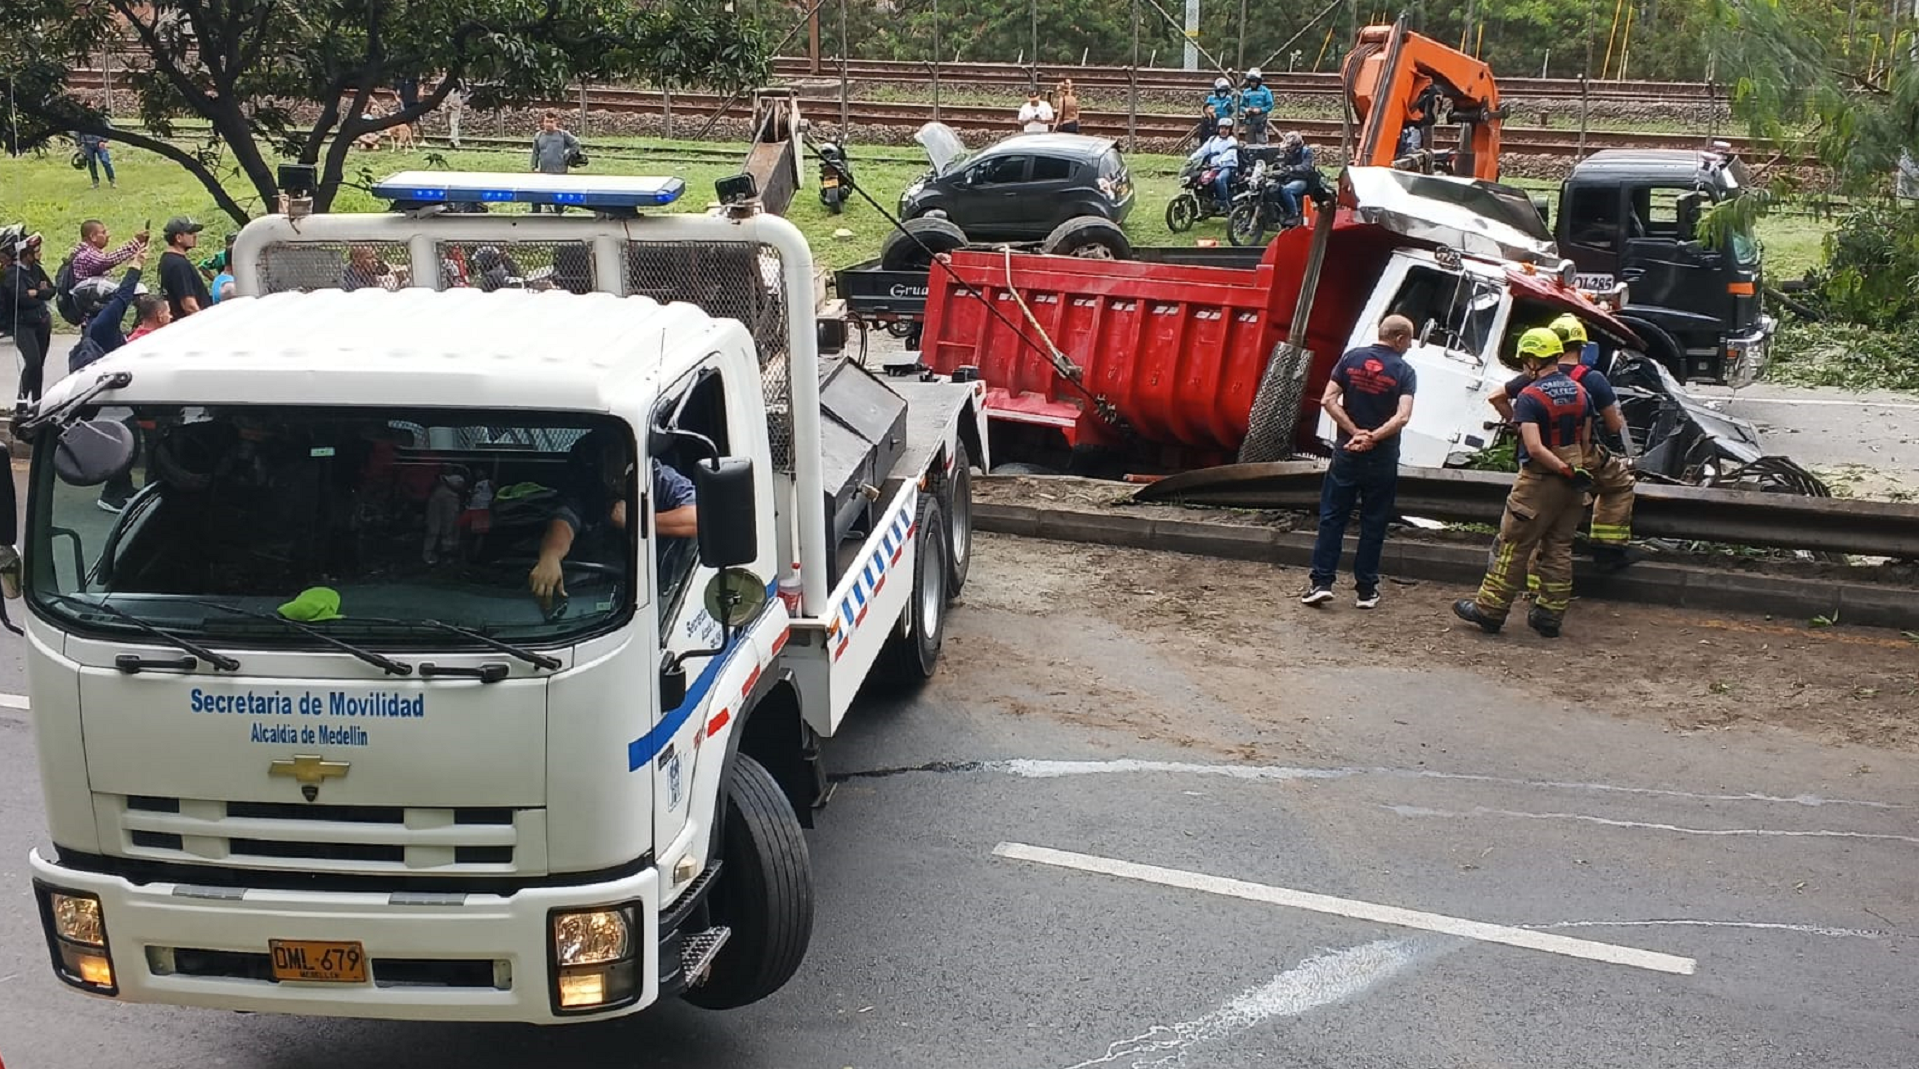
<point>957,499</point>
<point>914,646</point>
<point>1090,236</point>
<point>764,893</point>
<point>900,252</point>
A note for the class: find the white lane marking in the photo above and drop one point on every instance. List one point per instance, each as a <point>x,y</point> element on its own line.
<point>1863,405</point>
<point>1784,833</point>
<point>13,701</point>
<point>1320,980</point>
<point>1351,907</point>
<point>1766,926</point>
<point>1038,769</point>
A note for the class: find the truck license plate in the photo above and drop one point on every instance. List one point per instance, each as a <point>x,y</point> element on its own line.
<point>318,963</point>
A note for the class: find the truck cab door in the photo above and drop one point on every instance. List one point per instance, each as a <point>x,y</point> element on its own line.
<point>1458,319</point>
<point>1591,233</point>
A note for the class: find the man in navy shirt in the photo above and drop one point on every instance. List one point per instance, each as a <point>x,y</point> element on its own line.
<point>1554,415</point>
<point>595,502</point>
<point>1370,399</point>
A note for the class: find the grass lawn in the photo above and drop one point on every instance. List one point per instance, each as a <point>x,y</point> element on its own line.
<point>53,198</point>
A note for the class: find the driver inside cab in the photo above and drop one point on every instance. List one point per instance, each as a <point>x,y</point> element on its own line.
<point>595,507</point>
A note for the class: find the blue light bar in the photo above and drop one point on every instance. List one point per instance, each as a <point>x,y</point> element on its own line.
<point>596,192</point>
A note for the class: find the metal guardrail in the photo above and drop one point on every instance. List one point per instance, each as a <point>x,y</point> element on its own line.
<point>1693,513</point>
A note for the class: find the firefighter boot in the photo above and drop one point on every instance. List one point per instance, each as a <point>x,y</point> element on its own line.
<point>1614,558</point>
<point>1544,622</point>
<point>1468,610</point>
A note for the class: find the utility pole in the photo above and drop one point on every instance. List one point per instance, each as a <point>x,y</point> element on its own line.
<point>813,38</point>
<point>1239,62</point>
<point>1132,88</point>
<point>1032,8</point>
<point>936,60</point>
<point>844,120</point>
<point>1192,35</point>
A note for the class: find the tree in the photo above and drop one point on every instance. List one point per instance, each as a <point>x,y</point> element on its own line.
<point>1813,74</point>
<point>292,78</point>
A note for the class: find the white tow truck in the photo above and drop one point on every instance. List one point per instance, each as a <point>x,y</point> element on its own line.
<point>311,742</point>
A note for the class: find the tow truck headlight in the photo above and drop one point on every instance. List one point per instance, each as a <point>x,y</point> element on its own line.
<point>594,959</point>
<point>77,931</point>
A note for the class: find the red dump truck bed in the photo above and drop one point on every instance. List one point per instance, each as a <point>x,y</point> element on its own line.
<point>1176,350</point>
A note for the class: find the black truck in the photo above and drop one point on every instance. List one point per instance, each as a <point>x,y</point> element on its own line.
<point>1630,217</point>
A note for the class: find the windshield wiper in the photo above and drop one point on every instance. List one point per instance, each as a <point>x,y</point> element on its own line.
<point>378,660</point>
<point>218,660</point>
<point>537,660</point>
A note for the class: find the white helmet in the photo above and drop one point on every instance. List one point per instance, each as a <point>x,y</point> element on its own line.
<point>1254,75</point>
<point>1221,83</point>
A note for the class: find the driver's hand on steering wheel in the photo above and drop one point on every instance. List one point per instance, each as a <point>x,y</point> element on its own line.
<point>546,579</point>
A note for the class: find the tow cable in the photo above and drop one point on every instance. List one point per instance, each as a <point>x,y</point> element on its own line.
<point>1063,366</point>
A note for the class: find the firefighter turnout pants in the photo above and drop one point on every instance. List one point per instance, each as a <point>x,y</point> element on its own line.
<point>1542,514</point>
<point>1612,506</point>
<point>1612,499</point>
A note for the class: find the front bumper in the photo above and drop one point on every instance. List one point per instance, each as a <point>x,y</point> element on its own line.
<point>478,957</point>
<point>1743,356</point>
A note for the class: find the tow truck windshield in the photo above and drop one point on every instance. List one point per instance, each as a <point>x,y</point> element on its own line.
<point>401,526</point>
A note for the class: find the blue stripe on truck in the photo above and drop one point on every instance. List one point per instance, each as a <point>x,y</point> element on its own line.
<point>641,751</point>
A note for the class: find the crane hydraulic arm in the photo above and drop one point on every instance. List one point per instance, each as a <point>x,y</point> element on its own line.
<point>1395,80</point>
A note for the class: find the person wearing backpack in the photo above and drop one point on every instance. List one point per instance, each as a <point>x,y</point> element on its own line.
<point>28,291</point>
<point>89,259</point>
<point>104,307</point>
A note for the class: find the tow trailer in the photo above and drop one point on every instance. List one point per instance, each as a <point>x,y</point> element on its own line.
<point>320,729</point>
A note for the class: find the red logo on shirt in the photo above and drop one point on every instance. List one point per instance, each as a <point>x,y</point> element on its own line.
<point>1371,377</point>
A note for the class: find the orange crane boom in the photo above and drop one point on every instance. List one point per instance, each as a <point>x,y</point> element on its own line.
<point>1396,80</point>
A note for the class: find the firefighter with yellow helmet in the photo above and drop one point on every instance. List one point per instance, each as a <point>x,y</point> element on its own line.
<point>1611,465</point>
<point>1554,415</point>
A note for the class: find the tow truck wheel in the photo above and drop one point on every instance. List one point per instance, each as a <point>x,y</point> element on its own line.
<point>1182,212</point>
<point>913,246</point>
<point>764,893</point>
<point>914,647</point>
<point>1088,236</point>
<point>957,498</point>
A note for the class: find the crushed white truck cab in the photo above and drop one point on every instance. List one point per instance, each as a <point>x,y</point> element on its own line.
<point>467,645</point>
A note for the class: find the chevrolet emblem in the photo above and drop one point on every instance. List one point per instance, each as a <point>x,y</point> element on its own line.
<point>309,771</point>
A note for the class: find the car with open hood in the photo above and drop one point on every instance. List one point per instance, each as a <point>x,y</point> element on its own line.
<point>1020,189</point>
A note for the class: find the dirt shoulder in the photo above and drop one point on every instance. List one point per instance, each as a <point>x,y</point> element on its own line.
<point>1687,671</point>
<point>1097,495</point>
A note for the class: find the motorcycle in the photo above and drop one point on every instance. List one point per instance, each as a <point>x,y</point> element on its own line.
<point>1261,208</point>
<point>835,172</point>
<point>1196,201</point>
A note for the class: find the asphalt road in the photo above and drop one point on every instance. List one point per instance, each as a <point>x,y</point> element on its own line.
<point>1742,895</point>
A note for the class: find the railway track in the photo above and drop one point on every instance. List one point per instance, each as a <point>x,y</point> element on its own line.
<point>1161,79</point>
<point>698,107</point>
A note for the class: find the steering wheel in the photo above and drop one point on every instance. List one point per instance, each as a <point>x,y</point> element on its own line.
<point>596,567</point>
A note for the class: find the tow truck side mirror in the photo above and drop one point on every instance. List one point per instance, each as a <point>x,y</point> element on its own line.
<point>672,682</point>
<point>91,451</point>
<point>728,510</point>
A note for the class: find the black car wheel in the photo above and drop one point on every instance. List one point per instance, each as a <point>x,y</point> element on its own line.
<point>1182,212</point>
<point>913,246</point>
<point>1088,237</point>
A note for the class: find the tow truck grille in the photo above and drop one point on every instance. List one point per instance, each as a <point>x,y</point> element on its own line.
<point>472,840</point>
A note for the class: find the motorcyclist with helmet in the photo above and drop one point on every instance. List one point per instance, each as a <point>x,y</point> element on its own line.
<point>1255,104</point>
<point>1297,174</point>
<point>1220,152</point>
<point>1554,414</point>
<point>1219,105</point>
